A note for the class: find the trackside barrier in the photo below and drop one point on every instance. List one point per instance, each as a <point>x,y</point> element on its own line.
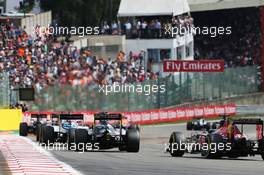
<point>10,119</point>
<point>160,115</point>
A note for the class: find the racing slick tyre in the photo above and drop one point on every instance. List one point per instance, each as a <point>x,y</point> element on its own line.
<point>214,125</point>
<point>70,138</point>
<point>48,134</point>
<point>38,128</point>
<point>261,147</point>
<point>41,129</point>
<point>176,139</point>
<point>133,140</point>
<point>23,128</point>
<point>189,126</point>
<point>81,139</point>
<point>196,127</point>
<point>208,126</point>
<point>212,141</point>
<point>134,127</point>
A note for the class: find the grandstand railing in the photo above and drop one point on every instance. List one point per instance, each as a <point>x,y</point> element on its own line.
<point>180,88</point>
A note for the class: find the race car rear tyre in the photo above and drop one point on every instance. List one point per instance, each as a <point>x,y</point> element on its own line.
<point>41,133</point>
<point>261,147</point>
<point>208,126</point>
<point>189,126</point>
<point>70,138</point>
<point>196,127</point>
<point>48,135</point>
<point>214,125</point>
<point>81,139</point>
<point>212,141</point>
<point>38,128</point>
<point>133,140</point>
<point>176,144</point>
<point>23,129</point>
<point>134,127</point>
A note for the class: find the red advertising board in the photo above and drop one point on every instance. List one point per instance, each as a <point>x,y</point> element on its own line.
<point>163,115</point>
<point>193,65</point>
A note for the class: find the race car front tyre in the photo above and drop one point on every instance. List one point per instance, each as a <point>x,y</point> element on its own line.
<point>189,126</point>
<point>48,135</point>
<point>133,140</point>
<point>176,144</point>
<point>23,129</point>
<point>81,139</point>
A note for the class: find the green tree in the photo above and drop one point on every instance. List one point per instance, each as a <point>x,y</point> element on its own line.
<point>82,12</point>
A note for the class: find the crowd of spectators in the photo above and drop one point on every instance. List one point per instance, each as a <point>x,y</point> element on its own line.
<point>241,48</point>
<point>44,60</point>
<point>151,27</point>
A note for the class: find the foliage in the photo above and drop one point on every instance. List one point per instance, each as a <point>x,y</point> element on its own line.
<point>82,12</point>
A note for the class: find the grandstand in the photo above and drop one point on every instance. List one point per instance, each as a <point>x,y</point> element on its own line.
<point>244,47</point>
<point>55,67</point>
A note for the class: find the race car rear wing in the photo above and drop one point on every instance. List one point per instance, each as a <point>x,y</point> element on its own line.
<point>39,116</point>
<point>106,116</point>
<point>249,121</point>
<point>71,117</point>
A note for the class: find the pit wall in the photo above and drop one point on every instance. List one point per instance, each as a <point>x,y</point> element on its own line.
<point>10,119</point>
<point>159,115</point>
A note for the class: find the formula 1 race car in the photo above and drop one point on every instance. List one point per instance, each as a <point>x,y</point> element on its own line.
<point>107,135</point>
<point>200,124</point>
<point>59,128</point>
<point>228,141</point>
<point>30,127</point>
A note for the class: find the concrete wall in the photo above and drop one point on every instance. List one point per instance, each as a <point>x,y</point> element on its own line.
<point>42,19</point>
<point>102,45</point>
<point>136,45</point>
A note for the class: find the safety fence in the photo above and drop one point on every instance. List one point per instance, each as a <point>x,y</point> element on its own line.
<point>158,115</point>
<point>179,88</point>
<point>4,90</point>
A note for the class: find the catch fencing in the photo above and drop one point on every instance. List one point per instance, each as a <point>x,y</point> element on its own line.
<point>179,88</point>
<point>4,90</point>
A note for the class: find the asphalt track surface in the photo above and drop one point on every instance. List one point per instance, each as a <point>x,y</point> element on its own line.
<point>152,160</point>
